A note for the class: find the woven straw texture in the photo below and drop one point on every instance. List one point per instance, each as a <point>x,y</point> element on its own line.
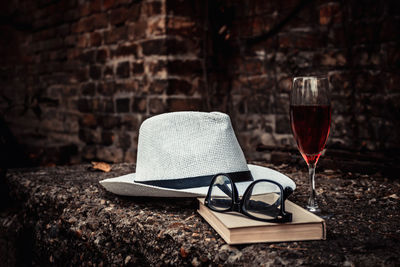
<point>187,144</point>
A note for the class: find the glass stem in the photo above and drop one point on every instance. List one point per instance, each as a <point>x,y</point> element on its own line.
<point>312,201</point>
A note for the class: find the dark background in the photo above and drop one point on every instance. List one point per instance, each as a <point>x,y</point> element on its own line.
<point>77,78</point>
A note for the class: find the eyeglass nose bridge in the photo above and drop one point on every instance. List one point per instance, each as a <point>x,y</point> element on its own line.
<point>236,206</point>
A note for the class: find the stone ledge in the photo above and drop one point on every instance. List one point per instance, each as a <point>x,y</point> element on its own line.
<point>62,216</point>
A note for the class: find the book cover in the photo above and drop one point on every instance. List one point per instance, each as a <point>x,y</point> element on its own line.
<point>236,228</point>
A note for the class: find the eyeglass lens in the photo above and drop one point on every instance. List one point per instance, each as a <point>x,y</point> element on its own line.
<point>221,195</point>
<point>263,200</point>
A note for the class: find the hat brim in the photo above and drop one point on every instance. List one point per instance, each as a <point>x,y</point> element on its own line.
<point>125,185</point>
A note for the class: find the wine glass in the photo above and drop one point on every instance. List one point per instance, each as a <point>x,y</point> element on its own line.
<point>310,119</point>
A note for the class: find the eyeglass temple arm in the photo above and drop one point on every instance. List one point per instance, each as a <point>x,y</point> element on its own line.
<point>224,188</point>
<point>287,192</point>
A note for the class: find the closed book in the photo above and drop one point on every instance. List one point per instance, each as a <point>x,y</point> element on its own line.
<point>236,228</point>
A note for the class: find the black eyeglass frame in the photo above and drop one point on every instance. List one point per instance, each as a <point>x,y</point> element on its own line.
<point>238,205</point>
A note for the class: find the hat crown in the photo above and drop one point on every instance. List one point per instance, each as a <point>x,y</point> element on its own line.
<point>187,144</point>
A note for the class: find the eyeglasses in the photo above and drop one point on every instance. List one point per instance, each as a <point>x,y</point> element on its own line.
<point>263,200</point>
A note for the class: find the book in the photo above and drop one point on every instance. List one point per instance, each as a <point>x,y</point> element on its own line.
<point>237,228</point>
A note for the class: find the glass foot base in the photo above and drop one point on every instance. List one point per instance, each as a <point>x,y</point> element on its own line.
<point>317,211</point>
<point>313,209</point>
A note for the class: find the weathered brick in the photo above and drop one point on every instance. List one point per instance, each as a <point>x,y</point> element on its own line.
<point>129,85</point>
<point>130,155</point>
<point>137,68</point>
<point>88,120</point>
<point>48,102</point>
<point>137,30</point>
<point>254,66</point>
<point>282,125</point>
<point>392,82</point>
<point>84,9</point>
<point>264,104</point>
<point>123,69</point>
<point>88,89</point>
<point>108,72</point>
<point>393,56</point>
<point>89,152</point>
<point>181,8</point>
<point>184,67</point>
<point>109,121</point>
<point>178,86</point>
<point>107,105</point>
<point>157,27</point>
<point>70,41</point>
<point>169,46</point>
<point>88,56</point>
<point>131,122</point>
<point>89,136</point>
<point>98,21</point>
<point>81,26</point>
<point>95,72</point>
<point>96,38</point>
<point>63,30</point>
<point>106,88</point>
<point>188,104</point>
<point>82,74</point>
<point>388,27</point>
<point>134,12</point>
<point>71,15</point>
<point>58,55</point>
<point>83,41</point>
<point>110,154</point>
<point>53,43</point>
<point>330,13</point>
<point>305,41</point>
<point>126,50</point>
<point>107,4</point>
<point>102,55</point>
<point>73,54</point>
<point>158,68</point>
<point>368,82</point>
<point>95,6</point>
<point>124,140</point>
<point>85,105</point>
<point>152,8</point>
<point>44,34</point>
<point>282,104</point>
<point>119,15</point>
<point>122,105</point>
<point>158,86</point>
<point>182,26</point>
<point>156,106</point>
<point>107,138</point>
<point>123,2</point>
<point>115,35</point>
<point>139,104</point>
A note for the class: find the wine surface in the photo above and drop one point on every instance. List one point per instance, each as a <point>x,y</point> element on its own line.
<point>310,127</point>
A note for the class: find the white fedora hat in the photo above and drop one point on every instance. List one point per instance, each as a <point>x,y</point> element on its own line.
<point>178,154</point>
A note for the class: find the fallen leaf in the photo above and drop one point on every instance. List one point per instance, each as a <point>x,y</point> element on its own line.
<point>394,196</point>
<point>102,166</point>
<point>184,253</point>
<point>175,225</point>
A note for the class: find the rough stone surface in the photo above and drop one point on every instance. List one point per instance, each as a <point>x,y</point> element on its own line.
<point>62,216</point>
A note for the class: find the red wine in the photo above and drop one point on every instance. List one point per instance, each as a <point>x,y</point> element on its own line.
<point>310,126</point>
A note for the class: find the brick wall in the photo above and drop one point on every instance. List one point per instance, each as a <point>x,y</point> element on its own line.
<point>356,43</point>
<point>78,77</point>
<point>81,76</point>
